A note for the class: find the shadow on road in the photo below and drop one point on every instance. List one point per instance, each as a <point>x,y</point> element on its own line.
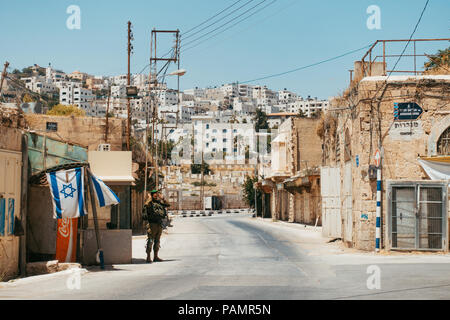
<point>143,261</point>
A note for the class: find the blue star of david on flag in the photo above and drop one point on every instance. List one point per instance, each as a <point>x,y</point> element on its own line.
<point>71,190</point>
<point>67,189</point>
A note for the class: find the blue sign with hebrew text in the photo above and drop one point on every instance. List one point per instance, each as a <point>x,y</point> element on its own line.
<point>407,111</point>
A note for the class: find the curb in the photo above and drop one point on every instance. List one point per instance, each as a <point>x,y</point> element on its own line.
<point>32,279</point>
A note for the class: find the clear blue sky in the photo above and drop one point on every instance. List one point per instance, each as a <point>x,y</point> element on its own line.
<point>285,35</point>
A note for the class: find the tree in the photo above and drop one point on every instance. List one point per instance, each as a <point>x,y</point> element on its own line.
<point>27,98</point>
<point>301,114</point>
<point>249,191</point>
<point>439,60</point>
<point>69,110</point>
<point>197,168</point>
<point>260,120</point>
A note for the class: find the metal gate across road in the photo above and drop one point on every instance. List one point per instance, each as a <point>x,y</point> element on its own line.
<point>418,215</point>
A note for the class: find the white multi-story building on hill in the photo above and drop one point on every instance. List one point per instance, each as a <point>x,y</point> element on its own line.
<point>40,85</point>
<point>76,95</point>
<point>196,92</point>
<point>265,96</point>
<point>285,96</point>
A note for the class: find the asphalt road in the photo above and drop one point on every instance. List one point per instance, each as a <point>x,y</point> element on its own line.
<point>237,257</point>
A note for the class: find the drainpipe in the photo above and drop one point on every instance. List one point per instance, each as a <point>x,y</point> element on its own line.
<point>24,206</point>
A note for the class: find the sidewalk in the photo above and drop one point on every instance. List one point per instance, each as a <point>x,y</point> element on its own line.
<point>338,253</point>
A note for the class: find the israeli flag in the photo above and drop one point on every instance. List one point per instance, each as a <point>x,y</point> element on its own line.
<point>67,189</point>
<point>105,196</point>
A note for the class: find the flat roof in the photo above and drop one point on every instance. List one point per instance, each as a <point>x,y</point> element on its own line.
<point>406,78</point>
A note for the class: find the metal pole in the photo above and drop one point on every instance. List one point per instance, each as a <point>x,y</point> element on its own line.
<point>90,186</point>
<point>107,115</point>
<point>24,208</point>
<point>378,212</point>
<point>415,68</point>
<point>202,187</point>
<point>128,84</point>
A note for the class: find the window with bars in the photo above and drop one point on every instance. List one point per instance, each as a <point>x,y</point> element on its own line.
<point>443,145</point>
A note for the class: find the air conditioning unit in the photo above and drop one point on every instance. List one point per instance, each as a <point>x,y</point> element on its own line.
<point>104,147</point>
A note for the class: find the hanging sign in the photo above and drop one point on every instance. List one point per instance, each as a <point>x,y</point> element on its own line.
<point>407,111</point>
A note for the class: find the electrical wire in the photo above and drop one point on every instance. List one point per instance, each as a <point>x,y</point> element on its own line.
<point>255,24</point>
<point>233,25</point>
<point>229,21</point>
<point>307,66</point>
<point>210,25</point>
<point>209,19</point>
<point>404,49</point>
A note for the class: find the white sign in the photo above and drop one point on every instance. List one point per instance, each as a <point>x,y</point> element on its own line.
<point>406,130</point>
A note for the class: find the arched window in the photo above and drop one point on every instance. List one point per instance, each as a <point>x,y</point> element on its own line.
<point>347,147</point>
<point>443,145</point>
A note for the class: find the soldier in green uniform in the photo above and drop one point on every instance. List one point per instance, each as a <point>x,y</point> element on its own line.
<point>154,212</point>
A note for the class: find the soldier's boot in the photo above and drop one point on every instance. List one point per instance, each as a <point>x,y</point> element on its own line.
<point>156,258</point>
<point>149,259</point>
<point>149,251</point>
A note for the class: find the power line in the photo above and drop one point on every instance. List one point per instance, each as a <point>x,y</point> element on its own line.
<point>229,21</point>
<point>307,66</point>
<point>197,32</point>
<point>384,87</point>
<point>209,19</point>
<point>255,24</point>
<point>233,25</point>
<point>409,40</point>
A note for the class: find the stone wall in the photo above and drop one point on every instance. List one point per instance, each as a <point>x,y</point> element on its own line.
<point>360,130</point>
<point>85,131</point>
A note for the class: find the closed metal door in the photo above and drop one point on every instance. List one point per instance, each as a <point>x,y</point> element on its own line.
<point>330,188</point>
<point>418,216</point>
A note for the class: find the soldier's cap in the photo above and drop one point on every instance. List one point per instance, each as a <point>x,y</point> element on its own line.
<point>154,191</point>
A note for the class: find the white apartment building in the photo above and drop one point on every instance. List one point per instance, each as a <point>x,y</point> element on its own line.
<point>309,106</point>
<point>265,96</point>
<point>285,96</point>
<point>120,80</point>
<point>244,105</point>
<point>167,97</point>
<point>40,85</point>
<point>184,113</point>
<point>196,92</point>
<point>230,90</point>
<point>76,95</point>
<point>54,76</point>
<point>219,141</point>
<point>119,91</point>
<point>246,90</point>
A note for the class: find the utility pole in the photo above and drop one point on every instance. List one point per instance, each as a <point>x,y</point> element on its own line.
<point>130,48</point>
<point>3,76</point>
<point>202,182</point>
<point>154,84</point>
<point>107,115</point>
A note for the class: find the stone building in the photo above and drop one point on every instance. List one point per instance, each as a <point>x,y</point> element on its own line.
<point>406,118</point>
<point>12,214</point>
<point>293,182</point>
